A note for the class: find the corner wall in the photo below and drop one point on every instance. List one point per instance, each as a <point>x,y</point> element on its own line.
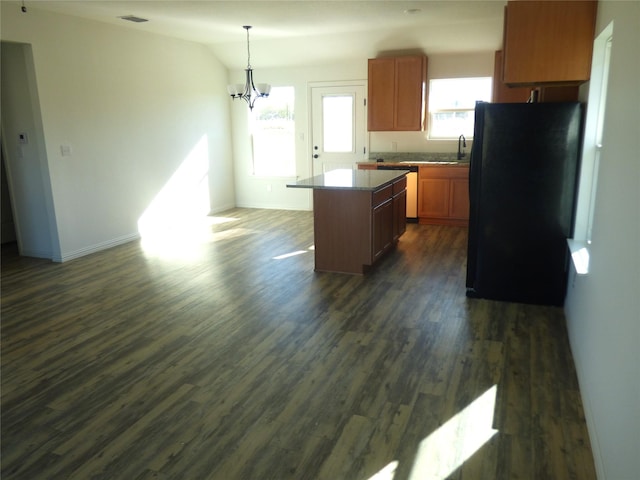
<point>134,108</point>
<point>603,307</point>
<point>26,165</point>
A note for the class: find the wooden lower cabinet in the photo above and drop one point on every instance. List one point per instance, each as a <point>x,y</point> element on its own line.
<point>434,201</point>
<point>459,199</point>
<point>399,214</point>
<point>443,195</point>
<point>382,220</point>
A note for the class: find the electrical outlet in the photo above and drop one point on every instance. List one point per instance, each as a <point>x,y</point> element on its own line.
<point>23,138</point>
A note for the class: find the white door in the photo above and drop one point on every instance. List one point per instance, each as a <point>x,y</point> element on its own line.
<point>338,117</point>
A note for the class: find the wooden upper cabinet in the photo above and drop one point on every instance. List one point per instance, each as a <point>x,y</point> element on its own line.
<point>548,41</point>
<point>396,93</point>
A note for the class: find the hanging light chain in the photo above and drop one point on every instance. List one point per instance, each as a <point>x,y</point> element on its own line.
<point>247,27</point>
<point>250,93</point>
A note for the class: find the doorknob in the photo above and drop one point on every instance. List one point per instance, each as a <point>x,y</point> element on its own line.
<point>316,156</point>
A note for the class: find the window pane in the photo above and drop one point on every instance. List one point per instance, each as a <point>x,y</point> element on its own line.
<point>337,123</point>
<point>452,103</point>
<point>273,134</point>
<point>452,124</point>
<point>458,93</point>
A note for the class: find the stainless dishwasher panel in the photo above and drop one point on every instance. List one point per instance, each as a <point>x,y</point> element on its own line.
<point>412,196</point>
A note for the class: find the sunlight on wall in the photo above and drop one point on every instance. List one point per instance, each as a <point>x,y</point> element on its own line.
<point>446,449</point>
<point>177,220</point>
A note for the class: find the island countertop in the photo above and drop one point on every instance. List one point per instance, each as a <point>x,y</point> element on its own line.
<point>349,179</point>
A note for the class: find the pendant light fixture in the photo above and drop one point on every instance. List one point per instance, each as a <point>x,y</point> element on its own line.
<point>249,91</point>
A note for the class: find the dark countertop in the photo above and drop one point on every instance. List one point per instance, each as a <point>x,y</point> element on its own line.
<point>348,179</point>
<point>419,158</point>
<point>417,163</point>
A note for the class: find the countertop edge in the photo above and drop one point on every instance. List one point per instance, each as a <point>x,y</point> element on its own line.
<point>372,188</point>
<point>417,164</point>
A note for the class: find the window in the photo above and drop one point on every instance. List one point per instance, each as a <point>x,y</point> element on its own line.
<point>452,103</point>
<point>591,149</point>
<point>337,119</point>
<point>601,92</point>
<point>273,134</point>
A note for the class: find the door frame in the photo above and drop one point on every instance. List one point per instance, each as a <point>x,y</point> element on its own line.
<point>325,84</point>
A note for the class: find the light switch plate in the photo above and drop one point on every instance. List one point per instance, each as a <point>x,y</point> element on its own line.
<point>65,150</point>
<point>23,138</point>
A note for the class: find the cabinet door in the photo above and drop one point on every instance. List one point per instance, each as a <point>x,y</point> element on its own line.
<point>433,198</point>
<point>459,199</point>
<point>399,214</point>
<point>503,93</point>
<point>382,228</point>
<point>410,87</point>
<point>381,94</point>
<point>548,42</point>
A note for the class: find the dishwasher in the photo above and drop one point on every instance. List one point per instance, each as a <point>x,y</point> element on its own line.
<point>412,189</point>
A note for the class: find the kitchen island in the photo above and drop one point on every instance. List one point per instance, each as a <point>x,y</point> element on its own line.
<point>358,216</point>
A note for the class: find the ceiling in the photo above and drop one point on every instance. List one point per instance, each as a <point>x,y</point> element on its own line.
<point>305,32</point>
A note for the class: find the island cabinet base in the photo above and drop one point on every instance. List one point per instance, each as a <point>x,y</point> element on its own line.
<point>354,228</point>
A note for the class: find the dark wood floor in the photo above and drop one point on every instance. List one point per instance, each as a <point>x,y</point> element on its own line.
<point>208,357</point>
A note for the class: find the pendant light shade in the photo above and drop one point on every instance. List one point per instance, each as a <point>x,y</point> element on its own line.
<point>250,92</point>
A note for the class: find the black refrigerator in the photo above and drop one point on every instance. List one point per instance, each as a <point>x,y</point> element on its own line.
<point>522,190</point>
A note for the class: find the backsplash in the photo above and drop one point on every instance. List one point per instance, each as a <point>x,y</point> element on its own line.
<point>396,157</point>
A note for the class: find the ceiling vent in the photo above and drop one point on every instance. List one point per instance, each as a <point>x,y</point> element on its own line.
<point>133,18</point>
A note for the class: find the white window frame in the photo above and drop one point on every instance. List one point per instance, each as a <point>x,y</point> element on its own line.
<point>591,150</point>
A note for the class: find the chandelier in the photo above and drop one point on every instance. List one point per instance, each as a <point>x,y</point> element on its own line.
<point>249,92</point>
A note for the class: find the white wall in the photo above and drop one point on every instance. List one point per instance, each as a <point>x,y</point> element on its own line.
<point>132,106</point>
<point>603,307</point>
<point>265,192</point>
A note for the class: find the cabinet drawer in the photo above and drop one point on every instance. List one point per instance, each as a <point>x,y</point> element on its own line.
<point>367,166</point>
<point>399,186</point>
<point>382,195</point>
<point>438,171</point>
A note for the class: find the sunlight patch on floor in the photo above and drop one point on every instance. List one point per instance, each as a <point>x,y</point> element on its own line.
<point>387,473</point>
<point>446,449</point>
<point>294,254</point>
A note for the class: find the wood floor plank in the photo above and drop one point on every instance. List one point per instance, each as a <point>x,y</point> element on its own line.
<point>226,358</point>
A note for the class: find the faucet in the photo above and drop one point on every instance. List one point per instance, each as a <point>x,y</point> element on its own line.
<point>464,145</point>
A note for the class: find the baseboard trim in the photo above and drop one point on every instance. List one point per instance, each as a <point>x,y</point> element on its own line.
<point>65,257</point>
